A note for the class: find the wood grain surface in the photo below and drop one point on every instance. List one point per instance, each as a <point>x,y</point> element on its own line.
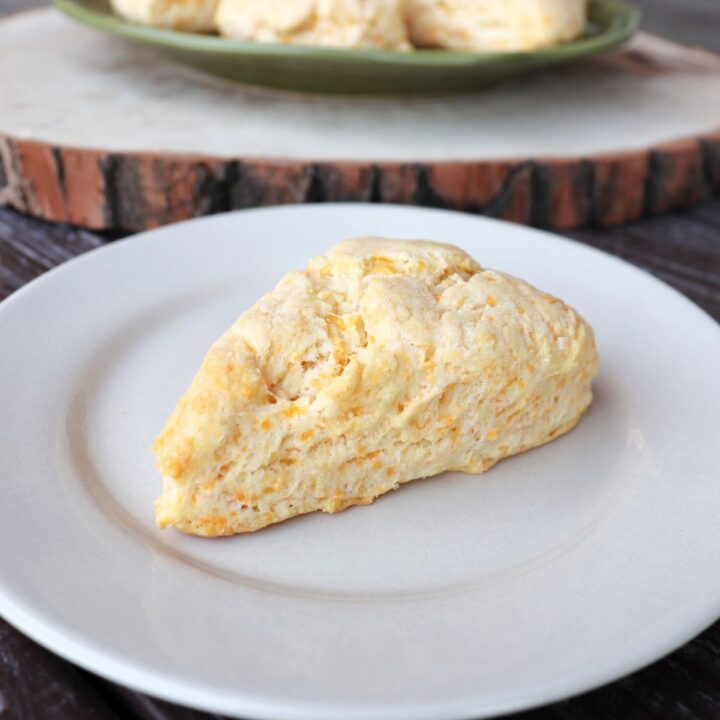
<point>683,249</point>
<point>105,190</point>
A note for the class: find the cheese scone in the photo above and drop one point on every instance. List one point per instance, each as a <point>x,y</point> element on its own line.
<point>490,25</point>
<point>187,15</point>
<point>331,23</point>
<point>384,361</point>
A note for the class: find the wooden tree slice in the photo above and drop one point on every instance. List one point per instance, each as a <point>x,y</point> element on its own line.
<point>106,134</point>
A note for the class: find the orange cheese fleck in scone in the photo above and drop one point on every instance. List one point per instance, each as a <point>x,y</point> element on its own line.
<point>380,363</point>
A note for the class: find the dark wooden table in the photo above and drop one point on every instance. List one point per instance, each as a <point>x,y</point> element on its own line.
<point>683,250</point>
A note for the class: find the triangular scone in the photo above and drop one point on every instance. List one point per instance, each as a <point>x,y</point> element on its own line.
<point>382,362</point>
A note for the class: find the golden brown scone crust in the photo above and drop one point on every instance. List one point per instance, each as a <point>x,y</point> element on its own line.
<point>384,361</point>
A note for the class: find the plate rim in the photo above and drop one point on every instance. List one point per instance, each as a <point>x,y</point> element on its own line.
<point>176,692</point>
<point>101,661</point>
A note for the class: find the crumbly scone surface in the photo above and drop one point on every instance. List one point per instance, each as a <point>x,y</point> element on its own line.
<point>382,362</point>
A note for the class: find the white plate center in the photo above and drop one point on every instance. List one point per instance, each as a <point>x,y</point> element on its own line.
<point>434,535</point>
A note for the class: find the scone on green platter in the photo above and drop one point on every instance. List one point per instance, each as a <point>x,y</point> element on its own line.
<point>495,25</point>
<point>378,24</point>
<point>186,15</point>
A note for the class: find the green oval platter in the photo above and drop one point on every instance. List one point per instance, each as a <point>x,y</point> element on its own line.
<point>374,72</point>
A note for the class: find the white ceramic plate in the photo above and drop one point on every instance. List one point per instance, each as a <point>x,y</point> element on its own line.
<point>454,597</point>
